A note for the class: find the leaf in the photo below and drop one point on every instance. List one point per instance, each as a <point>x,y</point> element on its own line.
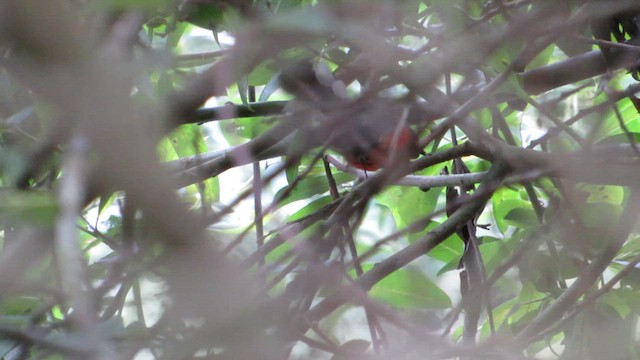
<point>522,217</point>
<point>610,126</point>
<point>28,207</point>
<point>631,249</point>
<point>449,250</point>
<point>105,202</point>
<point>20,305</point>
<point>604,193</point>
<point>600,215</point>
<point>251,127</point>
<point>272,86</point>
<point>166,151</point>
<point>206,15</point>
<point>292,172</point>
<point>504,201</point>
<point>621,138</point>
<point>414,204</point>
<point>243,89</point>
<point>212,190</point>
<point>619,300</point>
<point>280,250</point>
<point>495,252</point>
<point>174,37</point>
<point>187,140</point>
<point>310,186</point>
<point>529,302</point>
<point>311,208</point>
<point>484,117</point>
<point>509,315</point>
<point>262,74</point>
<point>408,288</point>
<point>408,204</point>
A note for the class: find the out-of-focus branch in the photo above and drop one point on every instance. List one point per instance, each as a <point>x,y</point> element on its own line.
<point>231,111</point>
<point>417,248</point>
<point>68,253</point>
<point>534,81</point>
<point>618,236</point>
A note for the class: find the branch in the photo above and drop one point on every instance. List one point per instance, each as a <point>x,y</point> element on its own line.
<point>606,165</point>
<point>421,181</point>
<point>589,276</point>
<point>68,254</point>
<point>535,81</point>
<point>233,111</point>
<point>419,247</point>
<point>64,346</point>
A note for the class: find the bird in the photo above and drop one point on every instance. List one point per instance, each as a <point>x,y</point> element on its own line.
<point>370,133</point>
<point>400,144</point>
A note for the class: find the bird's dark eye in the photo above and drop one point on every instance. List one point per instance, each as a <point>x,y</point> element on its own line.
<point>365,159</point>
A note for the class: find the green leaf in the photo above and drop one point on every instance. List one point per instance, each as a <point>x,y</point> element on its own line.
<point>504,201</point>
<point>529,303</point>
<point>212,190</point>
<point>415,204</point>
<point>251,127</point>
<point>408,204</point>
<point>292,172</point>
<point>311,208</point>
<point>510,316</point>
<point>604,193</point>
<point>166,151</point>
<point>262,73</point>
<point>270,87</point>
<point>610,127</point>
<point>495,251</point>
<point>187,140</point>
<point>28,207</point>
<point>174,37</point>
<point>310,186</point>
<point>484,117</point>
<point>206,15</point>
<point>408,288</point>
<point>279,251</point>
<point>243,89</point>
<point>522,217</point>
<point>449,250</point>
<point>619,300</point>
<point>630,250</point>
<point>20,305</point>
<point>600,215</point>
<point>105,202</point>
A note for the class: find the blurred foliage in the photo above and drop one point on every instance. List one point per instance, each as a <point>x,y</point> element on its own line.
<point>284,259</point>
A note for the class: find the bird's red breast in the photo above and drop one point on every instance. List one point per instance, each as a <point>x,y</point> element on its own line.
<point>401,144</point>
